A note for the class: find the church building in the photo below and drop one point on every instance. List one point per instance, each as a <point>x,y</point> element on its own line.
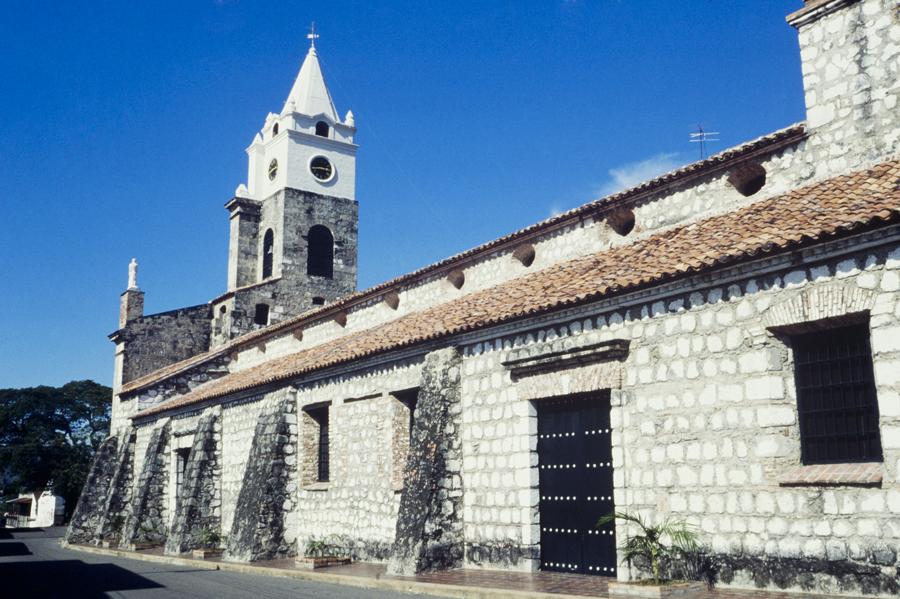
<point>718,345</point>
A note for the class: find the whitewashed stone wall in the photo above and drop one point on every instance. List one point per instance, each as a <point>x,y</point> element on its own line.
<point>704,424</point>
<point>357,509</point>
<point>851,80</point>
<point>238,426</point>
<point>182,437</point>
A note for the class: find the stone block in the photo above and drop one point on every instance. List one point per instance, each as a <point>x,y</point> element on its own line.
<point>890,437</point>
<point>776,415</point>
<point>764,387</point>
<point>770,446</point>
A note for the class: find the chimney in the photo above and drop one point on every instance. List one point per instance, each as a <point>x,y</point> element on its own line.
<point>847,48</point>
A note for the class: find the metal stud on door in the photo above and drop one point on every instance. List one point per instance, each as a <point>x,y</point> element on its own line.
<point>576,484</point>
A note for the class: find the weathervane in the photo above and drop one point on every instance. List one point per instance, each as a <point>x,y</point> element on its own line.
<point>312,36</point>
<point>701,137</point>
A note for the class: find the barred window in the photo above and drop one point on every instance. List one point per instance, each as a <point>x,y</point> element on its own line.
<point>836,398</point>
<point>181,460</point>
<point>322,458</point>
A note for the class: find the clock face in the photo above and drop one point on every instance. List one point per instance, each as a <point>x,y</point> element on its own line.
<point>273,169</point>
<point>321,168</point>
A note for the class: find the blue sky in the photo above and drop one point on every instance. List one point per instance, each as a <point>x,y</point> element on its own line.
<point>123,127</point>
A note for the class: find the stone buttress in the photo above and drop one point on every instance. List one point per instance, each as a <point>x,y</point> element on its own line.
<point>267,494</point>
<point>115,508</point>
<point>146,522</point>
<point>90,519</point>
<point>198,508</point>
<point>429,525</point>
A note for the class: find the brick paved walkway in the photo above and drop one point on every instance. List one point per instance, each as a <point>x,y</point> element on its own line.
<point>543,582</point>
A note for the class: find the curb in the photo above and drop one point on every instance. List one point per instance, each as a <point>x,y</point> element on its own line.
<point>399,586</point>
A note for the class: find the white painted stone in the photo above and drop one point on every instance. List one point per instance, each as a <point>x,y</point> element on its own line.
<point>765,387</point>
<point>775,415</point>
<point>890,437</point>
<point>769,446</point>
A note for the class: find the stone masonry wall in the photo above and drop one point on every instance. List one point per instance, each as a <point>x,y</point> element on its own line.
<point>198,508</point>
<point>89,512</point>
<point>262,527</point>
<point>238,427</point>
<point>290,214</point>
<point>703,429</point>
<point>851,79</point>
<point>146,521</point>
<point>180,384</point>
<point>158,340</point>
<point>355,511</point>
<point>118,499</point>
<point>429,524</point>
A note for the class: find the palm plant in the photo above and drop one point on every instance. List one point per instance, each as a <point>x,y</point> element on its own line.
<point>670,539</point>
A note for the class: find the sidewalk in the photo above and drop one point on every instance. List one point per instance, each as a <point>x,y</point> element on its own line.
<point>463,584</point>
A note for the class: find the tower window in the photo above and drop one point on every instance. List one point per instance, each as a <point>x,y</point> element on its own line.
<point>268,253</point>
<point>318,301</point>
<point>322,129</point>
<point>275,130</point>
<point>261,316</point>
<point>836,398</point>
<point>320,252</point>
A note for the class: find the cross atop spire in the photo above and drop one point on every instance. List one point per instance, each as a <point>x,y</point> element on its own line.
<point>312,36</point>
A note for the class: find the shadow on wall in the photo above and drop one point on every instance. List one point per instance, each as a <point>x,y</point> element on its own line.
<point>67,578</point>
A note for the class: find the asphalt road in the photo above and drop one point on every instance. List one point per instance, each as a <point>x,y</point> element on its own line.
<point>33,565</point>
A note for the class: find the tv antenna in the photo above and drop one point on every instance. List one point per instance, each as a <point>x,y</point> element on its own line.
<point>703,137</point>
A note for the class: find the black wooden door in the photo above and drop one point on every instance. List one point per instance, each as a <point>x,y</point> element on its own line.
<point>576,485</point>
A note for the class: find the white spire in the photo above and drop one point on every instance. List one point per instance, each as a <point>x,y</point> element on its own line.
<point>309,94</point>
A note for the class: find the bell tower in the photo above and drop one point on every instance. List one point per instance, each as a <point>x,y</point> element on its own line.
<point>306,146</point>
<point>294,224</point>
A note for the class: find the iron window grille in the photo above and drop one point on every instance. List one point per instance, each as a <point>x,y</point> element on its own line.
<point>181,459</point>
<point>322,457</point>
<point>836,397</point>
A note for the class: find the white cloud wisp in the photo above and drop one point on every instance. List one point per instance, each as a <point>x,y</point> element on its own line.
<point>633,173</point>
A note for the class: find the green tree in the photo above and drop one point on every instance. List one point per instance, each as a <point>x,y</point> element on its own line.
<point>48,436</point>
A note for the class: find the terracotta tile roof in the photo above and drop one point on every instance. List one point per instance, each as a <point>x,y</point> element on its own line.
<point>813,9</point>
<point>806,215</point>
<point>765,144</point>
